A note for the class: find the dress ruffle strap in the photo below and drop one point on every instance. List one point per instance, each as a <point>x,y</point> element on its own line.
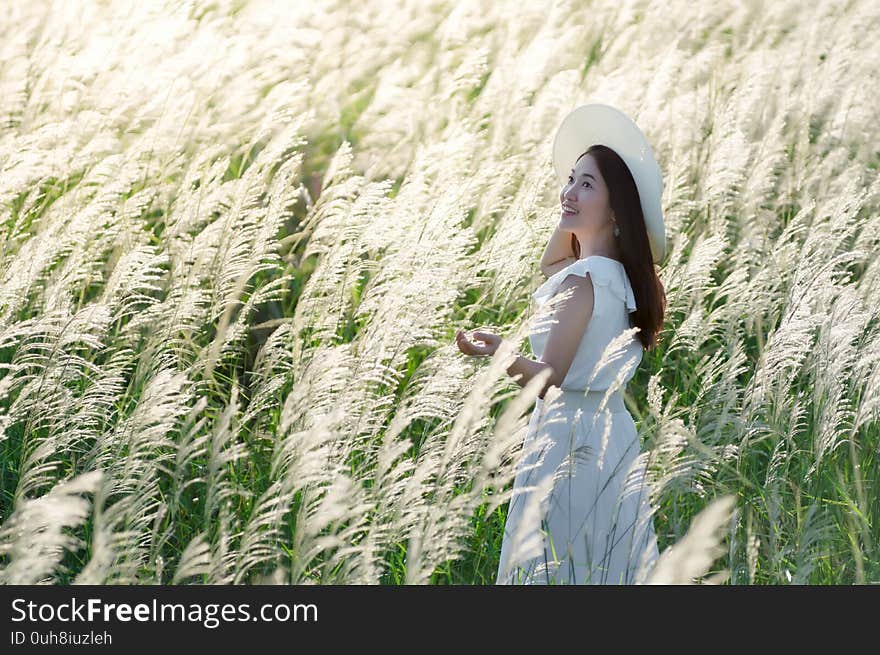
<point>604,272</point>
<point>623,290</point>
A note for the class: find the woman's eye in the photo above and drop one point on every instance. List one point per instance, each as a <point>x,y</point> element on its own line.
<point>587,183</point>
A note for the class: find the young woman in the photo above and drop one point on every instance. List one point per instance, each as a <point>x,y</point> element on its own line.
<point>581,511</point>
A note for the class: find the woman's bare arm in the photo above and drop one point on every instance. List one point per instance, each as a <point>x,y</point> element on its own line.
<point>558,250</point>
<point>571,319</point>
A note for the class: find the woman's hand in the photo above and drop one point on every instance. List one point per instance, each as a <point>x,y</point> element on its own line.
<point>484,345</point>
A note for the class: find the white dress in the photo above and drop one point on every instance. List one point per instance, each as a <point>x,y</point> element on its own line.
<point>580,511</point>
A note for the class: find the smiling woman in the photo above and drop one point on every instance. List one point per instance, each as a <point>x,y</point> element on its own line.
<point>580,510</point>
<point>592,513</point>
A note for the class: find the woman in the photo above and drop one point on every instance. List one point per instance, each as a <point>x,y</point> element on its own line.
<point>580,511</point>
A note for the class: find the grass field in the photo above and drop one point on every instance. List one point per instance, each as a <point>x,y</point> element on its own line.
<point>238,239</point>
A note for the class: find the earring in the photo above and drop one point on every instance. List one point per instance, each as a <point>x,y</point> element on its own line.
<point>616,230</point>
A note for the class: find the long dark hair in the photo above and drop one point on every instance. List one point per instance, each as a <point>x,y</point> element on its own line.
<point>635,249</point>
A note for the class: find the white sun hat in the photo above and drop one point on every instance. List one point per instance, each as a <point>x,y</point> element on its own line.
<point>595,123</point>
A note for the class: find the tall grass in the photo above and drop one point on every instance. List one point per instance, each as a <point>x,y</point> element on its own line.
<point>238,237</point>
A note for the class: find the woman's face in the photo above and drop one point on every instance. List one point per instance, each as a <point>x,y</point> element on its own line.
<point>586,193</point>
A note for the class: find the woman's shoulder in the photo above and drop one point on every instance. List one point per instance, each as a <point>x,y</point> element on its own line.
<point>603,271</point>
<point>555,267</point>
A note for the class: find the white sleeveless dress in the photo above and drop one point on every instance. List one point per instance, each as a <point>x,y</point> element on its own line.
<point>580,511</point>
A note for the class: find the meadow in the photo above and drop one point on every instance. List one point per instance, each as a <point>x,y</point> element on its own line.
<point>238,238</point>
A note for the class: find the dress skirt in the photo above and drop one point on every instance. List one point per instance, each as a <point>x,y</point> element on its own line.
<point>580,512</point>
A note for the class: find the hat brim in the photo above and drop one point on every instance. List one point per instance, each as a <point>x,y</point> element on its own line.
<point>596,123</point>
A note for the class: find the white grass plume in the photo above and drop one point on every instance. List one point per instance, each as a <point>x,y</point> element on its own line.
<point>694,554</point>
<point>34,538</point>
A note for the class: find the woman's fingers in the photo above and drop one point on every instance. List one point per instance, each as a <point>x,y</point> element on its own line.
<point>467,346</point>
<point>483,336</point>
<point>480,342</point>
<point>487,338</point>
<point>464,345</point>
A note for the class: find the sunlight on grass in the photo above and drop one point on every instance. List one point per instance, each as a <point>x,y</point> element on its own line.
<point>238,238</point>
